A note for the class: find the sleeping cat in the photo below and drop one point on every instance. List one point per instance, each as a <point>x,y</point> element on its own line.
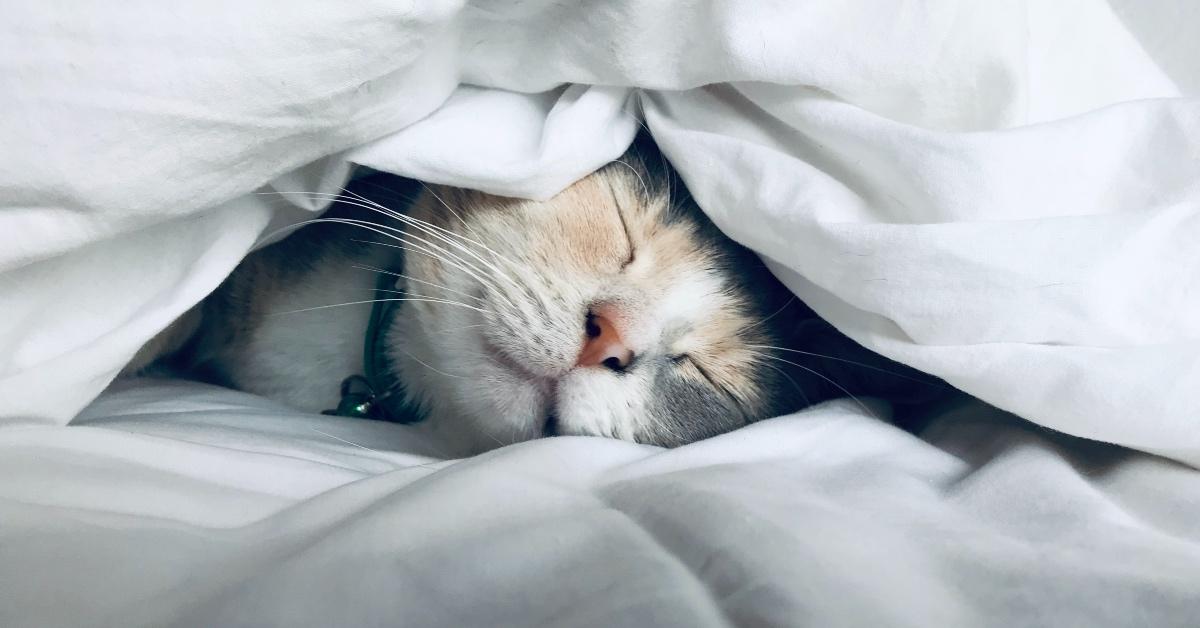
<point>613,309</point>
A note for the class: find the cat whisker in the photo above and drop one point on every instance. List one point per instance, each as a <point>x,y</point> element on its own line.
<point>864,365</point>
<point>374,451</point>
<point>423,296</point>
<point>383,230</point>
<point>492,269</point>
<point>645,189</point>
<point>323,307</point>
<point>495,289</point>
<point>422,363</point>
<point>799,388</point>
<point>444,204</point>
<point>828,379</point>
<point>773,315</point>
<point>456,216</point>
<point>430,228</point>
<point>432,250</point>
<point>342,440</point>
<point>441,253</point>
<point>485,247</point>
<point>495,255</point>
<point>498,441</point>
<point>399,233</point>
<point>425,225</point>
<point>415,280</point>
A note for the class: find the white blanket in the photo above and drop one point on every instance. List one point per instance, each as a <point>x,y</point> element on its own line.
<point>1006,195</point>
<point>1003,195</point>
<point>184,505</point>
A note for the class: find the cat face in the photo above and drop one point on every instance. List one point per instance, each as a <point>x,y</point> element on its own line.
<point>612,309</point>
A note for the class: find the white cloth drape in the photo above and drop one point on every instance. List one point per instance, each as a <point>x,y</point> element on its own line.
<point>1006,195</point>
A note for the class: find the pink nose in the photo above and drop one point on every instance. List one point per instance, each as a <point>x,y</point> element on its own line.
<point>604,346</point>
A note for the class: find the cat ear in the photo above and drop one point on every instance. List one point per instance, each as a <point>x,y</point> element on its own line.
<point>835,366</point>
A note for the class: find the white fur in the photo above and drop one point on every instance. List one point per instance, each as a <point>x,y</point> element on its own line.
<point>302,357</point>
<point>477,403</point>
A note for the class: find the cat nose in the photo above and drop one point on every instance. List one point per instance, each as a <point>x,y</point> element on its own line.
<point>604,346</point>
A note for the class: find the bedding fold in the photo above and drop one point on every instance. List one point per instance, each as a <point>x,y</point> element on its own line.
<point>1004,195</point>
<point>178,504</point>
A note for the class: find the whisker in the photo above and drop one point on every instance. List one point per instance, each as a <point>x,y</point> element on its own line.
<point>458,216</point>
<point>322,307</point>
<point>431,228</point>
<point>383,230</point>
<point>374,451</point>
<point>799,388</point>
<point>384,190</point>
<point>423,296</point>
<point>405,217</point>
<point>419,361</point>
<point>488,249</point>
<point>498,441</point>
<point>831,381</point>
<point>495,289</point>
<point>415,280</point>
<point>395,232</point>
<point>444,204</point>
<point>776,313</point>
<point>344,441</point>
<point>864,365</point>
<point>387,232</point>
<point>645,189</point>
<point>430,249</point>
<point>399,235</point>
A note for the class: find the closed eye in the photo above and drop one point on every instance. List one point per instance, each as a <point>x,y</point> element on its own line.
<point>685,358</point>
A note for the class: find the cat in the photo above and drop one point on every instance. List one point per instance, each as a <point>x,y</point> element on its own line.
<point>615,308</point>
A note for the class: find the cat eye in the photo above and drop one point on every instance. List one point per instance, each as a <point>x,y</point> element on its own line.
<point>706,376</point>
<point>685,358</point>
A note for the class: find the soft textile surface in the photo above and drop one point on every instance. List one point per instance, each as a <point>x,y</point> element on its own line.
<point>182,505</point>
<point>1003,194</point>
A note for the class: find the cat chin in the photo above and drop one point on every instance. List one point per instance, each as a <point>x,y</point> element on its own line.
<point>592,402</point>
<point>496,405</point>
<point>486,407</point>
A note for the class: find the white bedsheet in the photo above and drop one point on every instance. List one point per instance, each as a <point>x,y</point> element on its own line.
<point>183,505</point>
<point>1004,194</point>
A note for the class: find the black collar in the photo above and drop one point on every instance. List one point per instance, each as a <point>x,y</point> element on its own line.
<point>376,394</point>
